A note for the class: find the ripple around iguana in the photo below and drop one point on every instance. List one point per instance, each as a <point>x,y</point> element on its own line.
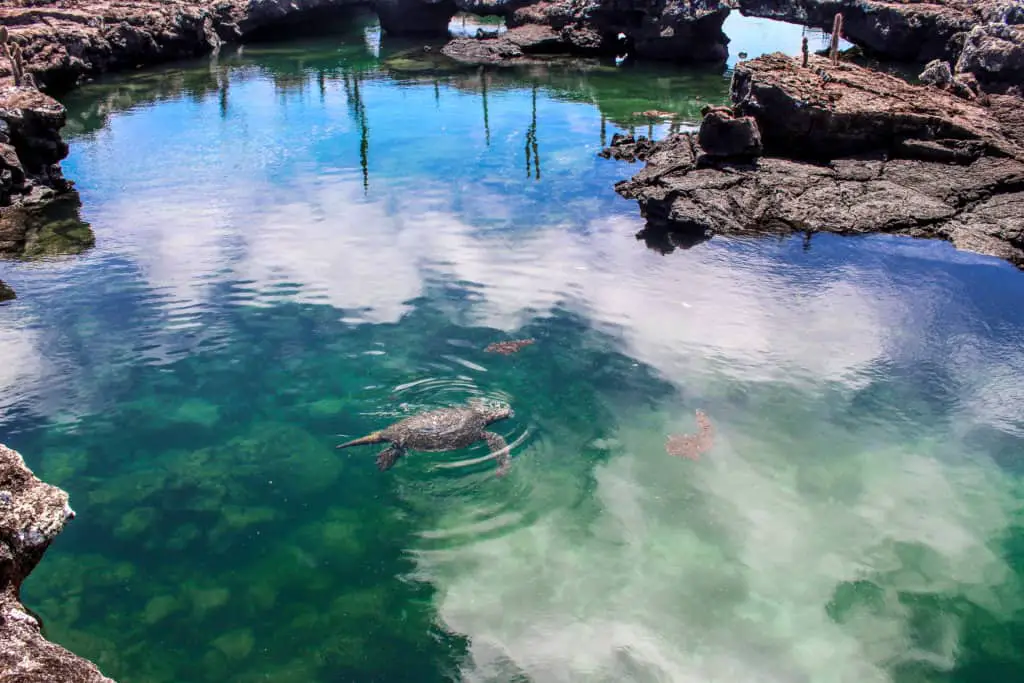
<point>443,429</point>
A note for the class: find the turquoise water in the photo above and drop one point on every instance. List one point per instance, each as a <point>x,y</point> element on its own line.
<point>297,244</point>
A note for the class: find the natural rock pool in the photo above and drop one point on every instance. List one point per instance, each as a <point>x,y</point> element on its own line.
<point>303,242</point>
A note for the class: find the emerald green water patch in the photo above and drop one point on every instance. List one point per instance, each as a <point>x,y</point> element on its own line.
<point>303,241</point>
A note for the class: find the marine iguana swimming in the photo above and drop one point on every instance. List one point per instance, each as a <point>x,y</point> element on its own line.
<point>443,429</point>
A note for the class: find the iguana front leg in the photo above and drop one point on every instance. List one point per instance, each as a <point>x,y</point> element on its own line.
<point>499,447</point>
<point>387,458</point>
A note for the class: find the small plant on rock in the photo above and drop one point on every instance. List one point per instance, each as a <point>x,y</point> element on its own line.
<point>837,30</point>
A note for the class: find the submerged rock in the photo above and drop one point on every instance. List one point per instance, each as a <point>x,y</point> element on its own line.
<point>483,51</point>
<point>850,151</point>
<point>6,293</point>
<point>628,148</point>
<point>31,515</point>
<point>49,229</point>
<point>513,47</point>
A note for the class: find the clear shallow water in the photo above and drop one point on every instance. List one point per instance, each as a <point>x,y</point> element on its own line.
<point>297,244</point>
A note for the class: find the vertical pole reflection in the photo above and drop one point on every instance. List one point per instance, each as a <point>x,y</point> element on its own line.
<point>531,150</point>
<point>487,122</point>
<point>224,85</point>
<point>604,131</point>
<point>364,137</point>
<point>357,109</point>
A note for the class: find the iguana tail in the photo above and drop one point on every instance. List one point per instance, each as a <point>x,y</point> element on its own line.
<point>374,437</point>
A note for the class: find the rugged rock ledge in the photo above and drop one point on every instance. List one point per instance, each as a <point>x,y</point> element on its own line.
<point>904,30</point>
<point>31,515</point>
<point>677,30</point>
<point>67,41</point>
<point>31,150</point>
<point>848,150</point>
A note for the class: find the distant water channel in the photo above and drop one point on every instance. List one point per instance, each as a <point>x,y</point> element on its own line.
<point>303,241</point>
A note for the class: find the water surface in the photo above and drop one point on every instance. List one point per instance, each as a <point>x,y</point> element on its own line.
<point>300,242</point>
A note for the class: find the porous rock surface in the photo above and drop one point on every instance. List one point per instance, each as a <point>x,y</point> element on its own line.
<point>675,30</point>
<point>847,150</point>
<point>32,513</point>
<point>994,54</point>
<point>31,149</point>
<point>906,30</point>
<point>65,41</point>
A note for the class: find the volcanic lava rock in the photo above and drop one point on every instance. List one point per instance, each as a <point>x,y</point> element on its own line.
<point>31,515</point>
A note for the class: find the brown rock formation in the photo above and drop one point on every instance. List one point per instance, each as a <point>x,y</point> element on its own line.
<point>6,293</point>
<point>31,515</point>
<point>724,135</point>
<point>65,41</point>
<point>851,151</point>
<point>994,54</point>
<point>38,208</point>
<point>30,147</point>
<point>908,30</point>
<point>825,111</point>
<point>676,30</point>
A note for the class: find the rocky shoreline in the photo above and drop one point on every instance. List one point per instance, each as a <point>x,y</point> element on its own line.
<point>843,149</point>
<point>899,30</point>
<point>32,514</point>
<point>822,147</point>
